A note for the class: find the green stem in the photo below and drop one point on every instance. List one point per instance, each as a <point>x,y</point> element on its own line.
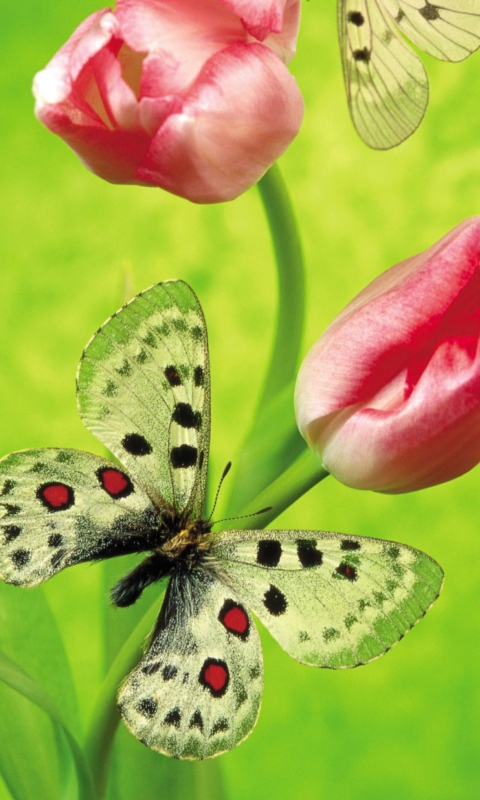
<point>105,718</point>
<point>297,479</point>
<point>284,358</point>
<point>291,283</point>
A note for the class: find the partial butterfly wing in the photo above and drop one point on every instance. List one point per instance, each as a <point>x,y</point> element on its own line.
<point>329,600</point>
<point>62,507</point>
<point>198,689</point>
<point>386,83</point>
<point>144,391</point>
<point>448,30</point>
<point>387,87</point>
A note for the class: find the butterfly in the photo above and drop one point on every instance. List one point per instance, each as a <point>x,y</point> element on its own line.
<point>386,82</point>
<point>330,600</point>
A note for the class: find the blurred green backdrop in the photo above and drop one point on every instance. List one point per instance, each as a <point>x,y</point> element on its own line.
<point>405,726</point>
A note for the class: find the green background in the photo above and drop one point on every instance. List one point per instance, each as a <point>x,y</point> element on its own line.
<point>405,726</point>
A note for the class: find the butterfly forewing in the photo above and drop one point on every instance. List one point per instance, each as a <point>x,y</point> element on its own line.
<point>197,691</point>
<point>448,30</point>
<point>62,507</point>
<point>144,391</point>
<point>329,600</point>
<point>387,86</point>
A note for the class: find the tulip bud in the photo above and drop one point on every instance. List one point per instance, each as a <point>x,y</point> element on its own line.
<point>389,396</point>
<point>179,94</point>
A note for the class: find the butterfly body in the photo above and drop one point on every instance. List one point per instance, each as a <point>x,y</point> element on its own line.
<point>330,600</point>
<point>179,548</point>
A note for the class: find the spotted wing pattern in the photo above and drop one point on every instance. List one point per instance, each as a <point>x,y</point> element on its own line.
<point>387,86</point>
<point>197,691</point>
<point>62,507</point>
<point>329,600</point>
<point>144,391</point>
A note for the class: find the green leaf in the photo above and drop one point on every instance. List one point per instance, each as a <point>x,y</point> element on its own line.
<point>37,781</point>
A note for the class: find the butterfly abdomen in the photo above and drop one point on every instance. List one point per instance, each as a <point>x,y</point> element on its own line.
<point>181,551</point>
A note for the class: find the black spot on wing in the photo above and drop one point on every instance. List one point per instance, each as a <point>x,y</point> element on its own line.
<point>220,726</point>
<point>196,721</point>
<point>429,12</point>
<point>55,540</point>
<point>147,707</point>
<point>172,375</point>
<point>20,558</point>
<point>349,544</point>
<point>169,672</point>
<point>275,601</point>
<point>173,718</point>
<point>11,510</point>
<point>269,552</point>
<point>8,487</point>
<point>307,552</point>
<point>11,532</point>
<point>346,571</point>
<point>136,444</point>
<point>199,376</point>
<point>183,456</point>
<point>186,417</point>
<point>356,18</point>
<point>362,54</point>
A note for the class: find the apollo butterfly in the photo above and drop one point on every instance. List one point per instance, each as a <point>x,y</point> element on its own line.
<point>330,600</point>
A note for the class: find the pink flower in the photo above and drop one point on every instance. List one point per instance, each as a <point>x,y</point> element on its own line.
<point>389,396</point>
<point>190,95</point>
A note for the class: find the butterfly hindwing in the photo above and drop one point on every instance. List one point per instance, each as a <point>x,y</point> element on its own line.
<point>386,83</point>
<point>63,507</point>
<point>330,600</point>
<point>197,691</point>
<point>144,391</point>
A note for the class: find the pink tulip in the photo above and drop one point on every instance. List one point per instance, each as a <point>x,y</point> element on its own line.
<point>190,95</point>
<point>389,396</point>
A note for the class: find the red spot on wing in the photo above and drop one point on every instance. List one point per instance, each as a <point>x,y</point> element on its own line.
<point>216,676</point>
<point>115,482</point>
<point>236,620</point>
<point>56,496</point>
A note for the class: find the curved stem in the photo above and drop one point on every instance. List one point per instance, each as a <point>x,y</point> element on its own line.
<point>105,717</point>
<point>284,358</point>
<point>297,479</point>
<point>291,283</point>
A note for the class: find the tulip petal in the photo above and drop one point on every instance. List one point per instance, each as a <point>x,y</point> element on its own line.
<point>432,438</point>
<point>390,394</point>
<point>372,339</point>
<point>274,22</point>
<point>223,141</point>
<point>188,32</point>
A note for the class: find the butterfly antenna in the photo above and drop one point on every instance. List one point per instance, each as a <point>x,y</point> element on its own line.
<point>224,475</point>
<point>243,516</point>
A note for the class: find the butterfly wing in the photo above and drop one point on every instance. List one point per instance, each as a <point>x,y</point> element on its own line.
<point>197,691</point>
<point>144,391</point>
<point>62,507</point>
<point>329,600</point>
<point>386,83</point>
<point>450,31</point>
